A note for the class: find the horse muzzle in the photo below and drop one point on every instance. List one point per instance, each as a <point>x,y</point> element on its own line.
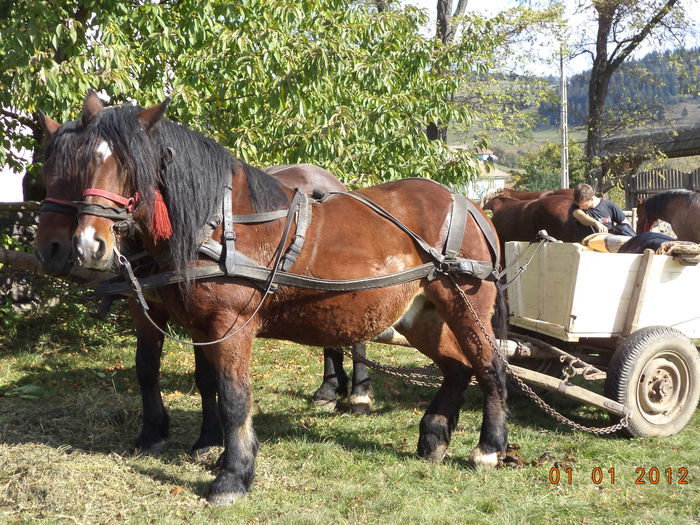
<point>92,250</point>
<point>55,257</point>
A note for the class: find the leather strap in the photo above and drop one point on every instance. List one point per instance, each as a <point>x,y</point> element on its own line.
<point>303,220</point>
<point>128,203</point>
<point>383,213</point>
<point>58,206</point>
<point>260,217</point>
<point>486,229</point>
<point>458,223</point>
<point>229,236</point>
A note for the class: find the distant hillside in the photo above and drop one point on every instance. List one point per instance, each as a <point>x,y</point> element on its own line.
<point>666,82</point>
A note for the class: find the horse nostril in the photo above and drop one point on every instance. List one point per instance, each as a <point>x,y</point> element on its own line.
<point>55,249</point>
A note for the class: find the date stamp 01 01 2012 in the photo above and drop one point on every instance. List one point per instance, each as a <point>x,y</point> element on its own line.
<point>599,476</point>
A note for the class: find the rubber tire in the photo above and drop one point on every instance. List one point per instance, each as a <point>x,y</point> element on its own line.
<point>624,375</point>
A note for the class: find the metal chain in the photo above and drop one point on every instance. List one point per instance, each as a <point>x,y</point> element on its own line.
<point>412,376</point>
<point>525,388</point>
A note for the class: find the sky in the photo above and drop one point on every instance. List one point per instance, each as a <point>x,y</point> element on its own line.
<point>577,65</point>
<point>11,183</point>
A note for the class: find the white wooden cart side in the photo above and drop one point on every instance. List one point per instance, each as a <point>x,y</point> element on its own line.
<point>647,305</point>
<point>570,292</point>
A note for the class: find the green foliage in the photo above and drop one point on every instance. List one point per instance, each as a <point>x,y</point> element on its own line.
<point>331,82</point>
<point>542,168</point>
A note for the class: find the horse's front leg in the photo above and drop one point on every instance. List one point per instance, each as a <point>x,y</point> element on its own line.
<point>231,361</point>
<point>149,346</point>
<point>206,379</point>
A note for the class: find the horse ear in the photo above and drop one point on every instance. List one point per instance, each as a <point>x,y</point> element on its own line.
<point>92,105</point>
<point>49,125</point>
<point>150,116</point>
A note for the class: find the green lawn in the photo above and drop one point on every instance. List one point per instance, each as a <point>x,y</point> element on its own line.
<point>70,410</point>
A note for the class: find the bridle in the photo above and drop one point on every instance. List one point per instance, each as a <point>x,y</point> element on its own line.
<point>58,206</point>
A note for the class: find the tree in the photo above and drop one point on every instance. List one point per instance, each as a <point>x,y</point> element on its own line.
<point>542,168</point>
<point>332,82</point>
<point>621,26</point>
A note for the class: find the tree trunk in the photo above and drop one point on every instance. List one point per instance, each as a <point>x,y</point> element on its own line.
<point>610,22</point>
<point>597,93</point>
<point>445,32</point>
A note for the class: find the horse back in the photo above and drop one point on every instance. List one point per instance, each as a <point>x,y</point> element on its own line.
<point>306,177</point>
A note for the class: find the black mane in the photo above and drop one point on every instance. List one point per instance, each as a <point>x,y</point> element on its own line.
<point>657,203</point>
<point>60,156</point>
<point>192,182</point>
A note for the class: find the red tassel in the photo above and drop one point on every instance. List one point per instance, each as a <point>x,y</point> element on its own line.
<point>160,220</point>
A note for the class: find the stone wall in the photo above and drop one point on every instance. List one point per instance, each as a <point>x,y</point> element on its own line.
<point>18,220</point>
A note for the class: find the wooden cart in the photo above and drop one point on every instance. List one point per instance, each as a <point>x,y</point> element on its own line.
<point>630,320</point>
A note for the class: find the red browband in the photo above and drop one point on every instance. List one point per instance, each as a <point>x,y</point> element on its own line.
<point>127,203</point>
<point>160,220</point>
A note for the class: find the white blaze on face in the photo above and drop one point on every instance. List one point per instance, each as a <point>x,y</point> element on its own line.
<point>87,245</point>
<point>103,150</point>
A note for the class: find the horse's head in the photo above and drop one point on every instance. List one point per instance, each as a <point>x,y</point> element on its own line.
<point>52,243</point>
<point>121,167</point>
<point>645,220</point>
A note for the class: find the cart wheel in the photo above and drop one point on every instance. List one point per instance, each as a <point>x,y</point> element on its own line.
<point>656,372</point>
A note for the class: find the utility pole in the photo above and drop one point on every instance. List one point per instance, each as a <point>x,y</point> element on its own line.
<point>564,124</point>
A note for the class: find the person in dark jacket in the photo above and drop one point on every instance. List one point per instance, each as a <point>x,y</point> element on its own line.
<point>598,215</point>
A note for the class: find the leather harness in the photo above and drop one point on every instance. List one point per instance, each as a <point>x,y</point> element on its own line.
<point>232,263</point>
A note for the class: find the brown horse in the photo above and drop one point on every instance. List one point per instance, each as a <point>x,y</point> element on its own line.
<point>525,195</point>
<point>680,208</point>
<point>53,241</point>
<point>520,220</point>
<point>401,225</point>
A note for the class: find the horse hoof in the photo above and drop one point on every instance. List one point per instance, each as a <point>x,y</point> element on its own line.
<point>480,460</point>
<point>224,498</point>
<point>154,450</point>
<point>325,405</point>
<point>437,454</point>
<point>199,455</point>
<point>361,409</point>
<point>360,405</point>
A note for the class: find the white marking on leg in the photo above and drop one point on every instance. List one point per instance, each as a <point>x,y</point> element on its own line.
<point>360,400</point>
<point>479,459</point>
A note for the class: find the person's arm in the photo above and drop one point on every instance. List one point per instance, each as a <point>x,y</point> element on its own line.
<point>587,220</point>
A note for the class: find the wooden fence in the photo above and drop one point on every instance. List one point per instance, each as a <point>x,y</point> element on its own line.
<point>645,184</point>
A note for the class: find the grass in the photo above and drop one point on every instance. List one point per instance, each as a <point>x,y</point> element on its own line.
<point>70,410</point>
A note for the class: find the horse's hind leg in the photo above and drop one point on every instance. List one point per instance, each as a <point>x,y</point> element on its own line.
<point>211,433</point>
<point>427,331</point>
<point>149,345</point>
<point>361,396</point>
<point>475,343</point>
